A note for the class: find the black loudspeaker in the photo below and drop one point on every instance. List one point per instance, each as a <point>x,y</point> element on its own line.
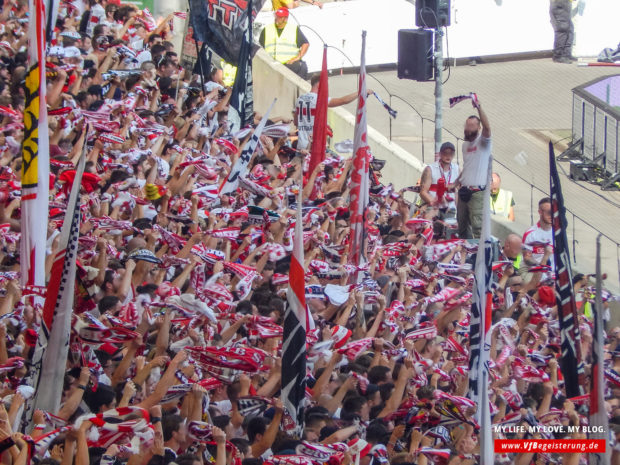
<point>415,54</point>
<point>432,13</point>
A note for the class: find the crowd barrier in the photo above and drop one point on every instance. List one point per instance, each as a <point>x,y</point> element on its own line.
<point>402,169</point>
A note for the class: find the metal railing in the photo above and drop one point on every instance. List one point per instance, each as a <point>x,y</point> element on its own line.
<point>576,222</point>
<point>573,218</point>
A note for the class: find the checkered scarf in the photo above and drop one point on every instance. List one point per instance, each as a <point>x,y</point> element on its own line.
<point>459,98</point>
<point>528,373</point>
<point>170,261</point>
<point>253,405</point>
<point>106,223</point>
<point>452,304</point>
<point>502,358</point>
<point>176,392</point>
<point>114,426</point>
<point>42,443</point>
<point>129,313</point>
<point>207,255</point>
<point>11,364</point>
<point>353,349</point>
<point>95,334</point>
<point>426,330</point>
<point>174,241</point>
<point>244,358</point>
<point>362,382</point>
<point>254,187</point>
<point>513,399</point>
<point>200,431</point>
<point>288,460</point>
<point>444,295</point>
<point>437,456</point>
<point>613,376</point>
<point>395,249</point>
<point>452,345</point>
<point>322,453</point>
<point>453,407</point>
<point>257,405</point>
<point>553,416</point>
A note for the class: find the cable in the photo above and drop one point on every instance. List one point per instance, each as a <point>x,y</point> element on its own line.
<point>422,118</point>
<point>449,66</point>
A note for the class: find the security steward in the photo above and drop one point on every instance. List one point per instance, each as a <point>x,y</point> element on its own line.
<point>286,43</point>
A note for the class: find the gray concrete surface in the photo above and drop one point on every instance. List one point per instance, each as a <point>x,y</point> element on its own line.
<point>528,102</point>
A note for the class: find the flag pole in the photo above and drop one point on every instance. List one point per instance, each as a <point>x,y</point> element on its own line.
<point>598,413</point>
<point>176,95</point>
<point>358,203</point>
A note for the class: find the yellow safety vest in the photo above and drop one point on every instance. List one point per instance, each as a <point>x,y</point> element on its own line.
<point>501,206</point>
<point>277,4</point>
<point>587,310</point>
<point>516,263</point>
<point>284,47</point>
<point>229,73</point>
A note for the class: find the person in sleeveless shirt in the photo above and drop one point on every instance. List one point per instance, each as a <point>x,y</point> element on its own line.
<point>439,179</point>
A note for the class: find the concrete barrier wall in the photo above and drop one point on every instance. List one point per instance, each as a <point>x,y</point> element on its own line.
<point>274,80</point>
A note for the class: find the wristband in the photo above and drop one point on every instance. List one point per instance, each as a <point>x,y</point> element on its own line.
<point>82,387</point>
<point>6,444</point>
<point>39,426</point>
<point>155,420</point>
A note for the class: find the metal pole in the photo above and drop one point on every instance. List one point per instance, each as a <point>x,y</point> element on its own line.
<point>390,118</point>
<point>438,87</point>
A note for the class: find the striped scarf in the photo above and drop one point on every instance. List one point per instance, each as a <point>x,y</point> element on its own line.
<point>245,358</point>
<point>114,426</point>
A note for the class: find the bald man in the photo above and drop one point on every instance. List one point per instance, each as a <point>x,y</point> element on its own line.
<point>502,201</point>
<point>512,250</point>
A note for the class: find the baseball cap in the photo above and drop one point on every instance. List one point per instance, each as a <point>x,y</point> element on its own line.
<point>546,296</point>
<point>144,255</point>
<point>447,146</point>
<point>282,12</point>
<point>71,52</point>
<point>71,35</point>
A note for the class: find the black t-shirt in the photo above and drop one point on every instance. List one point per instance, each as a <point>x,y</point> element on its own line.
<point>301,38</point>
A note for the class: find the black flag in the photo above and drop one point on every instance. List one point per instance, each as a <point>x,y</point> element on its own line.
<point>221,25</point>
<point>242,99</point>
<point>571,362</point>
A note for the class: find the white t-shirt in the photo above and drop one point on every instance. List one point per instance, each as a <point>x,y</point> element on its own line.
<point>534,237</point>
<point>224,406</point>
<point>305,108</point>
<point>476,155</point>
<point>97,15</point>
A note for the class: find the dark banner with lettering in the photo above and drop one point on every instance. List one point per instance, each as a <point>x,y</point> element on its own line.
<point>221,25</point>
<point>571,362</point>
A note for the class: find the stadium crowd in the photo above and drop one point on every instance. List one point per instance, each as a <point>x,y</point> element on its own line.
<point>175,351</point>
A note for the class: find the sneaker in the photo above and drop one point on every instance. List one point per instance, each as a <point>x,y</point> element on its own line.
<point>564,60</point>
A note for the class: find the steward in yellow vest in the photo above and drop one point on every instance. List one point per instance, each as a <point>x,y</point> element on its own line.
<point>286,43</point>
<point>502,202</point>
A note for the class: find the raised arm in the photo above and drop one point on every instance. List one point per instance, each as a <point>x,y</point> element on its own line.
<point>484,120</point>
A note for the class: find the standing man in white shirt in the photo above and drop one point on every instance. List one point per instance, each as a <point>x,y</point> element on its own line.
<point>540,236</point>
<point>473,179</point>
